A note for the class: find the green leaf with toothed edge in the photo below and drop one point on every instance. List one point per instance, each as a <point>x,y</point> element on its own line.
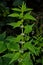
<point>13,46</point>
<point>16,9</point>
<point>17,24</point>
<point>23,8</point>
<point>26,60</point>
<point>28,28</point>
<point>28,16</point>
<point>29,46</point>
<point>28,9</point>
<point>14,15</point>
<point>15,57</point>
<point>8,55</point>
<point>2,46</point>
<point>12,39</point>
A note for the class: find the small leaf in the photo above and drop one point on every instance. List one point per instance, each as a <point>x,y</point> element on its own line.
<point>5,61</point>
<point>28,16</point>
<point>9,55</point>
<point>28,28</point>
<point>29,46</point>
<point>16,9</point>
<point>37,49</point>
<point>2,47</point>
<point>13,46</point>
<point>11,43</point>
<point>21,16</point>
<point>15,57</point>
<point>26,59</point>
<point>10,39</point>
<point>17,24</point>
<point>23,7</point>
<point>18,38</point>
<point>14,15</point>
<point>41,44</point>
<point>28,9</point>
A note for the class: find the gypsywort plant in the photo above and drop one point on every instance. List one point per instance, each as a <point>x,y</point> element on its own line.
<point>20,48</point>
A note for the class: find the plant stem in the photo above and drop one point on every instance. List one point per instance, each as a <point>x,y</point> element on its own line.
<point>22,27</point>
<point>22,31</point>
<point>22,42</point>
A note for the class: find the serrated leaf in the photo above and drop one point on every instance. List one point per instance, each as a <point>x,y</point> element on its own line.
<point>18,38</point>
<point>28,16</point>
<point>2,47</point>
<point>17,24</point>
<point>41,44</point>
<point>29,46</point>
<point>26,59</point>
<point>12,43</point>
<point>28,28</point>
<point>5,61</point>
<point>10,39</point>
<point>15,57</point>
<point>21,16</point>
<point>16,9</point>
<point>9,55</point>
<point>23,8</point>
<point>28,9</point>
<point>32,48</point>
<point>14,15</point>
<point>37,49</point>
<point>13,46</point>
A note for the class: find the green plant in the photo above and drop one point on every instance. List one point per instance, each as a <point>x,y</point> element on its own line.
<point>20,48</point>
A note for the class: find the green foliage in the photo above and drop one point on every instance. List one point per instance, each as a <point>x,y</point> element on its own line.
<point>2,43</point>
<point>28,28</point>
<point>28,16</point>
<point>17,24</point>
<point>12,44</point>
<point>15,57</point>
<point>26,59</point>
<point>2,46</point>
<point>5,61</point>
